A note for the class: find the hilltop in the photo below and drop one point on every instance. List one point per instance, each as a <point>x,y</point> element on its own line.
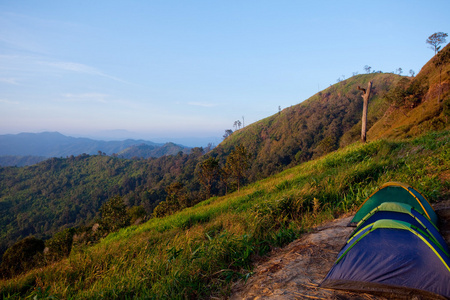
<point>319,125</point>
<point>417,104</point>
<point>400,107</point>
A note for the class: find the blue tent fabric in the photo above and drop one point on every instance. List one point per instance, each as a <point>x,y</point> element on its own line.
<point>391,260</point>
<point>414,218</point>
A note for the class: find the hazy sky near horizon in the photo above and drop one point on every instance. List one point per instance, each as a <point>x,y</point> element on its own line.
<point>191,68</point>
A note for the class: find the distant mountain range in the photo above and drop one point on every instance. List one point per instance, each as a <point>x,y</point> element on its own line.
<point>29,148</point>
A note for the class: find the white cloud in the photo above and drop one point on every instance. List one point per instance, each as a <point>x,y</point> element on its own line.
<point>9,81</point>
<point>75,67</point>
<point>202,104</point>
<point>97,97</point>
<point>79,68</point>
<point>24,63</point>
<point>6,101</point>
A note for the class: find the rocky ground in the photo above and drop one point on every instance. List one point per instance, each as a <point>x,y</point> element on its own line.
<point>295,271</point>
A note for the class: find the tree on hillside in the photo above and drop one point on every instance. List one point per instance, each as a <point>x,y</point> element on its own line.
<point>224,176</point>
<point>238,162</point>
<point>114,215</point>
<point>208,147</point>
<point>435,40</point>
<point>367,69</point>
<point>228,132</point>
<point>407,93</point>
<point>237,124</point>
<point>365,95</point>
<point>176,192</point>
<point>24,255</point>
<point>137,214</point>
<point>60,245</point>
<point>176,200</point>
<point>208,173</point>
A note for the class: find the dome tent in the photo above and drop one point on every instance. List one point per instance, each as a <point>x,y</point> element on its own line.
<point>395,192</point>
<point>391,257</point>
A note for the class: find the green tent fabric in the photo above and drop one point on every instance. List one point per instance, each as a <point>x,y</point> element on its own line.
<point>395,192</point>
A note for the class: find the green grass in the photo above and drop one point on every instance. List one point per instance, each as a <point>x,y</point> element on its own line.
<point>200,251</point>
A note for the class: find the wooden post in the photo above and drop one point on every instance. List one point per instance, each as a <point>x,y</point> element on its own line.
<point>365,95</point>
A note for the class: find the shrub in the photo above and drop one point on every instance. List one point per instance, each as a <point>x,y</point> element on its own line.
<point>136,213</point>
<point>176,200</point>
<point>114,215</point>
<point>24,255</point>
<point>60,245</point>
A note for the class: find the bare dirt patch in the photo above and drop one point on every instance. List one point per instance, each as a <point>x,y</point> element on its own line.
<point>295,271</point>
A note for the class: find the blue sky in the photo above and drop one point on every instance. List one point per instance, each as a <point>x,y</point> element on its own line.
<point>172,70</point>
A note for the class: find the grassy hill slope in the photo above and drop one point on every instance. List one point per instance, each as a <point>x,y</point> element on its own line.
<point>321,124</point>
<point>418,104</point>
<point>199,251</point>
<point>399,107</point>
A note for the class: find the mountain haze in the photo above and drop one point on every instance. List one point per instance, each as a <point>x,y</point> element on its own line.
<point>43,145</point>
<point>54,144</point>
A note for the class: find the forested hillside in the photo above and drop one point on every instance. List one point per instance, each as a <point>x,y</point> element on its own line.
<point>147,151</point>
<point>20,161</point>
<point>66,192</point>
